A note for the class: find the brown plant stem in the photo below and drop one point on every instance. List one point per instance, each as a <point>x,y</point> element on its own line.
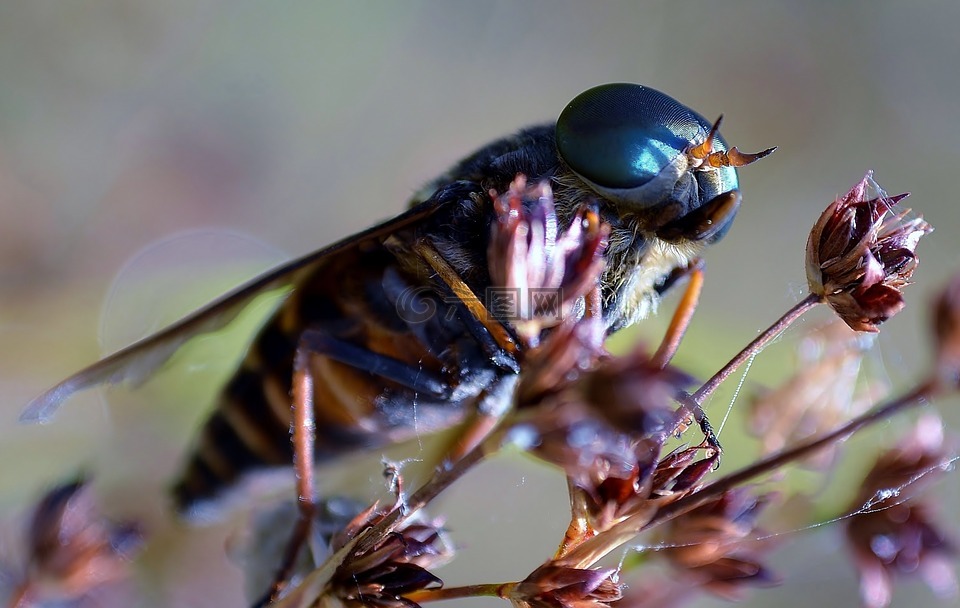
<point>595,548</point>
<point>451,593</point>
<point>756,346</point>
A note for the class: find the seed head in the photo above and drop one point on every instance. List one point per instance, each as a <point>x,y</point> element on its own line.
<point>946,332</point>
<point>712,543</point>
<point>397,565</point>
<point>860,255</point>
<point>893,530</point>
<point>606,426</point>
<point>72,548</point>
<point>553,586</point>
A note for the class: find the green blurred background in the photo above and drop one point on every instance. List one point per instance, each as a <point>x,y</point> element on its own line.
<point>153,154</point>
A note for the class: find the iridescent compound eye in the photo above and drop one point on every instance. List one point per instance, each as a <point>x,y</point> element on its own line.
<point>630,140</point>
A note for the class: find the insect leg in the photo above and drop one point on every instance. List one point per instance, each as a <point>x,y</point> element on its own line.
<point>303,427</point>
<point>404,374</point>
<point>486,329</point>
<point>478,320</point>
<point>303,434</point>
<point>675,332</point>
<point>694,413</point>
<point>492,406</point>
<point>683,313</point>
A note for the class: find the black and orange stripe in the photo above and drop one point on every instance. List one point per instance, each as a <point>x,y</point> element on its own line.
<point>250,426</point>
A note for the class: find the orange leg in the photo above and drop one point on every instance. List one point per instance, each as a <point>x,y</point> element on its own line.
<point>463,292</point>
<point>681,316</point>
<point>671,342</point>
<point>303,432</point>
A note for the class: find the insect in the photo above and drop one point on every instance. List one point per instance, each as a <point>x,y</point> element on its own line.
<point>662,178</point>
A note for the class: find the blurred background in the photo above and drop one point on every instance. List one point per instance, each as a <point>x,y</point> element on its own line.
<point>154,154</point>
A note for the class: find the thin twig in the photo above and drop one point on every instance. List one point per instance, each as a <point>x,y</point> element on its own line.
<point>756,346</point>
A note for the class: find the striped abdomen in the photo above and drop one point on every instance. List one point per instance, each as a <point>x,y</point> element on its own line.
<point>352,296</point>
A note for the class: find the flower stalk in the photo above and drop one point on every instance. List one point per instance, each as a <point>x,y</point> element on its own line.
<point>757,345</point>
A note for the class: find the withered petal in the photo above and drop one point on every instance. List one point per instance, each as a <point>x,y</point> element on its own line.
<point>873,271</point>
<point>693,474</point>
<point>400,578</point>
<point>731,568</point>
<point>880,301</point>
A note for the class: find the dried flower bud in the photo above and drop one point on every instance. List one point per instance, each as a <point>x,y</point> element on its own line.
<point>606,431</point>
<point>631,394</point>
<point>553,586</point>
<point>634,394</point>
<point>946,331</point>
<point>397,565</point>
<point>860,256</point>
<point>658,592</point>
<point>72,548</point>
<point>258,547</point>
<point>893,530</point>
<point>712,543</point>
<point>826,390</point>
<point>539,275</point>
<point>569,350</point>
<point>681,472</point>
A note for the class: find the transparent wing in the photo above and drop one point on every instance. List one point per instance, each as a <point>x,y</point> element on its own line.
<point>186,269</point>
<point>138,361</point>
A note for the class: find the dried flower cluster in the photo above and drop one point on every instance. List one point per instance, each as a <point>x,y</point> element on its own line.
<point>893,531</point>
<point>398,564</point>
<point>860,255</point>
<point>606,428</point>
<point>714,545</point>
<point>548,271</point>
<point>72,549</point>
<point>552,586</point>
<point>606,421</point>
